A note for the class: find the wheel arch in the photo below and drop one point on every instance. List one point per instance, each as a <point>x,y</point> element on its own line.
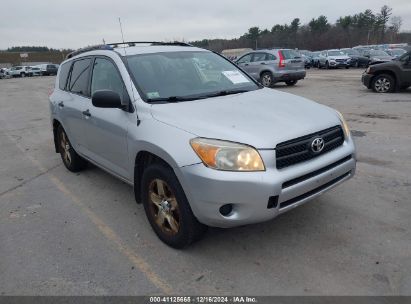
<point>388,72</point>
<point>143,159</point>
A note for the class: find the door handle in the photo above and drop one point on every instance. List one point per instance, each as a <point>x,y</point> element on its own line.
<point>262,63</point>
<point>87,113</point>
<point>61,104</point>
<point>245,64</point>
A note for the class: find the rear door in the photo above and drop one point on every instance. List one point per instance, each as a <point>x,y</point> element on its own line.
<point>292,60</point>
<point>73,103</point>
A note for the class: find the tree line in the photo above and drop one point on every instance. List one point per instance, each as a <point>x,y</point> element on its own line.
<point>35,49</point>
<point>363,28</point>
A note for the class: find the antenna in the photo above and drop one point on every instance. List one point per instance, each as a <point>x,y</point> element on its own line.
<point>127,66</point>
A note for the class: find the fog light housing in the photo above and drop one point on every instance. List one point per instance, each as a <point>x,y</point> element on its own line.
<point>225,210</point>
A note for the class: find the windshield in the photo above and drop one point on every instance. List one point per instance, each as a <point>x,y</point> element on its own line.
<point>378,53</point>
<point>353,52</point>
<point>397,51</point>
<point>186,75</point>
<point>336,53</point>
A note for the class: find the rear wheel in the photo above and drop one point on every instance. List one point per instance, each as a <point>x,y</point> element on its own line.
<point>71,160</point>
<point>291,82</point>
<point>267,79</point>
<point>383,83</point>
<point>167,207</point>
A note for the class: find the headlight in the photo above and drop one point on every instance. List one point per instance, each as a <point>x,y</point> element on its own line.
<point>368,70</point>
<point>344,125</point>
<point>227,156</point>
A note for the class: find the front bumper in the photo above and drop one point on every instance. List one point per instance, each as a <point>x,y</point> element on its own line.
<point>366,79</point>
<point>335,64</point>
<point>261,196</point>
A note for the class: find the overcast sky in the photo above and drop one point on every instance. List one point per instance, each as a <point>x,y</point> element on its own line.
<point>76,23</point>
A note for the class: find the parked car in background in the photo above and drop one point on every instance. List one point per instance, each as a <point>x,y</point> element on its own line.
<point>389,76</point>
<point>19,71</point>
<point>333,59</point>
<point>274,65</point>
<point>315,58</point>
<point>377,56</point>
<point>35,71</point>
<point>48,69</point>
<point>356,59</point>
<point>4,73</point>
<point>396,53</point>
<point>221,151</point>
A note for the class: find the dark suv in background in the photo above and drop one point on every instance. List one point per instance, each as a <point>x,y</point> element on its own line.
<point>389,76</point>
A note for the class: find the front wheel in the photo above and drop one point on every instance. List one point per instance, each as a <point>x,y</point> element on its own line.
<point>22,75</point>
<point>291,82</point>
<point>383,83</point>
<point>267,79</point>
<point>167,207</point>
<point>71,160</point>
<point>327,66</point>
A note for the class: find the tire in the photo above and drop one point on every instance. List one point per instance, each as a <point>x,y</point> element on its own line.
<point>22,75</point>
<point>319,65</point>
<point>357,64</point>
<point>71,160</point>
<point>291,82</point>
<point>266,79</point>
<point>383,83</point>
<point>167,208</point>
<point>327,66</point>
<point>347,67</point>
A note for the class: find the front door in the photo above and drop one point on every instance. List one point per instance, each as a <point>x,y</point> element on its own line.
<point>107,128</point>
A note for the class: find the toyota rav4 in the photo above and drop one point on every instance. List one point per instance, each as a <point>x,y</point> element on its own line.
<point>201,141</point>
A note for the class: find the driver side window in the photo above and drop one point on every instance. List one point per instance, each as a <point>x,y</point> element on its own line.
<point>245,59</point>
<point>106,77</point>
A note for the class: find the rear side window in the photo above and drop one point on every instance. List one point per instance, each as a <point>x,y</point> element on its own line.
<point>271,57</point>
<point>290,54</point>
<point>64,72</point>
<point>79,77</point>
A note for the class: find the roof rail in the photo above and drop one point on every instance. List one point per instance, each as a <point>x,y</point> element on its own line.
<point>111,46</point>
<point>133,43</point>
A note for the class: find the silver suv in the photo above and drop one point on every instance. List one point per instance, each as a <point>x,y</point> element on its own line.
<point>202,143</point>
<point>274,65</point>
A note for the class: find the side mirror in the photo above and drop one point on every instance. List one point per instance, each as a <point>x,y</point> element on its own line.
<point>106,99</point>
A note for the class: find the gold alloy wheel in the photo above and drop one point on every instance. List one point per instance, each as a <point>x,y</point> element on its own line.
<point>164,207</point>
<point>65,148</point>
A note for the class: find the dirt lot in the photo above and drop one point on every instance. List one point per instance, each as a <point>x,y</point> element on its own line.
<point>65,234</point>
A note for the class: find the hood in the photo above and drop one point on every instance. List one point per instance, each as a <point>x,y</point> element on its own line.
<point>339,57</point>
<point>382,58</point>
<point>261,118</point>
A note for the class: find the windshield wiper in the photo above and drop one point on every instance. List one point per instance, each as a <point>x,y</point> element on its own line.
<point>195,97</point>
<point>226,92</point>
<point>171,99</point>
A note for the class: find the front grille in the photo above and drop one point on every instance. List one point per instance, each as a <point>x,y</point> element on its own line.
<point>314,191</point>
<point>340,60</point>
<point>298,150</point>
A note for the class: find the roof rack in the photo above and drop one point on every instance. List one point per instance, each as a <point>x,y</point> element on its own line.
<point>111,46</point>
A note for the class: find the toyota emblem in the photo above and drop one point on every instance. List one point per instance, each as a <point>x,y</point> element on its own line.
<point>317,145</point>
